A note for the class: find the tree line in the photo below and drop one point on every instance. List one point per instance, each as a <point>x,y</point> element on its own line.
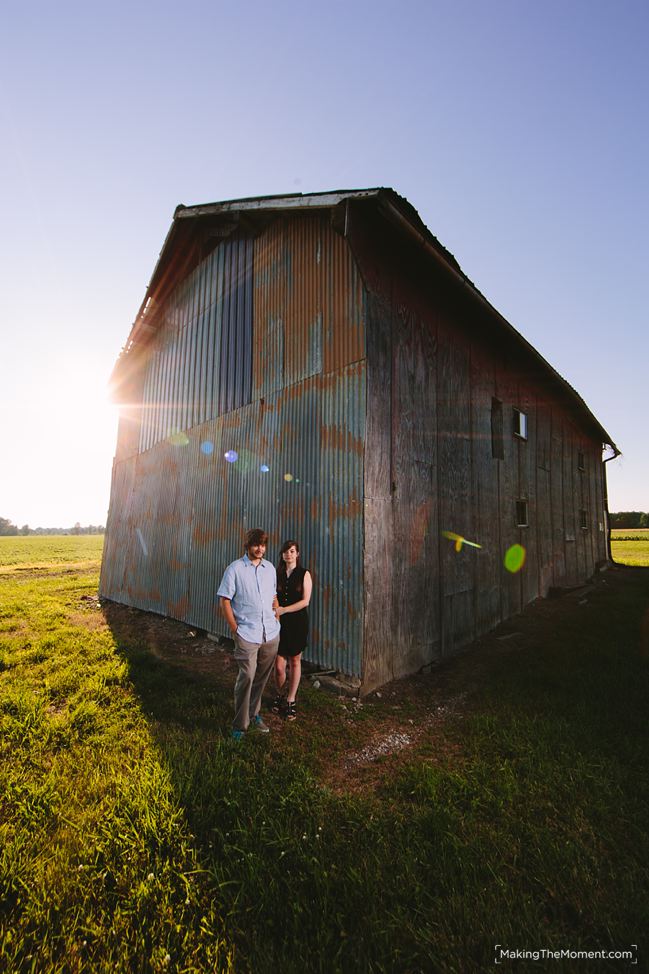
<point>7,528</point>
<point>629,519</point>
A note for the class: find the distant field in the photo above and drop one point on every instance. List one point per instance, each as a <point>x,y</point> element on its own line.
<point>50,553</point>
<point>630,546</point>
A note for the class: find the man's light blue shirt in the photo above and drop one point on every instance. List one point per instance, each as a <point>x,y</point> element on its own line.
<point>251,590</point>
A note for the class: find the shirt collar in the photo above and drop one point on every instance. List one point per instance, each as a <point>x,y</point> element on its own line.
<point>246,561</point>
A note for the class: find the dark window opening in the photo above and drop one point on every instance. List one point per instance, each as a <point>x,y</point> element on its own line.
<point>521,514</point>
<point>581,461</point>
<point>583,520</point>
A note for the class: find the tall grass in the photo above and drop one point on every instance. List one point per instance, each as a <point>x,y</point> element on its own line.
<point>134,836</point>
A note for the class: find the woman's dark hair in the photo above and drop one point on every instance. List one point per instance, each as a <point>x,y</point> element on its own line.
<point>281,568</point>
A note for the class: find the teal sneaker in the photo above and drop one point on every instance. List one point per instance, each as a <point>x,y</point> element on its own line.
<point>257,724</point>
<point>237,735</point>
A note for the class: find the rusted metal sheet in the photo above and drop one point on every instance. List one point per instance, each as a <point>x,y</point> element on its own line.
<point>308,303</point>
<point>200,364</point>
<point>296,449</point>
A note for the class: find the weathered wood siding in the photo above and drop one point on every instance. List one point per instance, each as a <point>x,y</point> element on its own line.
<point>435,363</point>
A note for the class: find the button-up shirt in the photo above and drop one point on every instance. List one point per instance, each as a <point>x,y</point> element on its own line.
<point>251,590</point>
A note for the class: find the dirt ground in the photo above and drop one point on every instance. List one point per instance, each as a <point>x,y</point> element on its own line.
<point>372,734</point>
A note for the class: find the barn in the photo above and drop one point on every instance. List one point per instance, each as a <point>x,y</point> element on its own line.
<point>320,366</point>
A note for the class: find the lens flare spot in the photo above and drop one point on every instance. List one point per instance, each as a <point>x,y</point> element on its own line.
<point>178,439</point>
<point>231,456</point>
<point>264,468</point>
<point>288,477</point>
<point>515,558</point>
<point>207,447</point>
<point>459,540</point>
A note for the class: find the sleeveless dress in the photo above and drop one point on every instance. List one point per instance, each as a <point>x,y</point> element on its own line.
<point>294,625</point>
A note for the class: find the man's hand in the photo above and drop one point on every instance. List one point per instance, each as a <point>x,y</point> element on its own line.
<point>226,609</point>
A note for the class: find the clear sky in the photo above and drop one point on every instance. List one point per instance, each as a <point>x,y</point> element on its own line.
<point>517,129</point>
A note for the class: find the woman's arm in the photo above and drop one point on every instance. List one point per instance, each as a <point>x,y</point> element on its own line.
<point>307,588</point>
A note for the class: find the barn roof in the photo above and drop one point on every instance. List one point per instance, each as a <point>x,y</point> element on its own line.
<point>194,229</point>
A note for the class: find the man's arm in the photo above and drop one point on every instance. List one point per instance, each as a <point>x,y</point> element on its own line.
<point>226,609</point>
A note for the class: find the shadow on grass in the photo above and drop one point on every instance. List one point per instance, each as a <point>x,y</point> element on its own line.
<point>517,835</point>
<point>177,690</point>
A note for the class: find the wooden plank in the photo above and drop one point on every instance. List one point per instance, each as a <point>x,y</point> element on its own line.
<point>571,505</point>
<point>543,517</point>
<point>378,624</point>
<point>507,392</point>
<point>484,494</point>
<point>454,488</point>
<point>527,449</point>
<point>556,488</point>
<point>414,501</point>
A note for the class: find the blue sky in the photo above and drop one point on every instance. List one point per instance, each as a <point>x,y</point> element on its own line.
<point>518,130</point>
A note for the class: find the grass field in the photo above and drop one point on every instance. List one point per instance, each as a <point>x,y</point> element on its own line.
<point>630,546</point>
<point>500,800</point>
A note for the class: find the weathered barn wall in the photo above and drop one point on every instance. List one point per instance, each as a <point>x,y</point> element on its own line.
<point>179,510</point>
<point>435,366</point>
<point>367,391</point>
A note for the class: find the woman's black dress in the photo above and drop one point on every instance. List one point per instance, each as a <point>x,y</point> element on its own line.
<point>294,625</point>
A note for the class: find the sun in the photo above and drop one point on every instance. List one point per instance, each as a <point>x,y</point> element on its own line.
<point>68,433</point>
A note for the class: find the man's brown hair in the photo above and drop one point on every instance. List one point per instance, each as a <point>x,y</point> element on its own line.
<point>256,536</point>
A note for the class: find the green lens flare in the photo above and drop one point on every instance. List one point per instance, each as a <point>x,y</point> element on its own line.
<point>515,558</point>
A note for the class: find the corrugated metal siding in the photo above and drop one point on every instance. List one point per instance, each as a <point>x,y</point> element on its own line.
<point>200,364</point>
<point>184,510</point>
<point>308,303</point>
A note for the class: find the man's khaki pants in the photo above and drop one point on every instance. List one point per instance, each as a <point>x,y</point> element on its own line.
<point>255,662</point>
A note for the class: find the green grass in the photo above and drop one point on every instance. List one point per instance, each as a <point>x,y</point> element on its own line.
<point>135,837</point>
<point>50,552</point>
<point>630,546</point>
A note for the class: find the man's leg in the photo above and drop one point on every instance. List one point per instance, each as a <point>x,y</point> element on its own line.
<point>246,656</point>
<point>265,660</point>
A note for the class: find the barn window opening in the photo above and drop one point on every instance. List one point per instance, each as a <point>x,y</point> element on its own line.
<point>497,441</point>
<point>520,424</point>
<point>521,514</point>
<point>581,461</point>
<point>583,519</point>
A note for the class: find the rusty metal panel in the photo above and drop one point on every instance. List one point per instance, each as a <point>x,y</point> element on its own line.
<point>200,364</point>
<point>308,315</point>
<point>184,510</point>
<point>271,275</point>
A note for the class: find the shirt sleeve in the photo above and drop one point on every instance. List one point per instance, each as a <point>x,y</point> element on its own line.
<point>228,586</point>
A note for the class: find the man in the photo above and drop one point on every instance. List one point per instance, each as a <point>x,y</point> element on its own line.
<point>248,593</point>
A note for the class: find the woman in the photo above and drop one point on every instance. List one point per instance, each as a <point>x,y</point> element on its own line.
<point>294,587</point>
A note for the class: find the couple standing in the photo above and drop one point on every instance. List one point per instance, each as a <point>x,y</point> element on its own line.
<point>267,615</point>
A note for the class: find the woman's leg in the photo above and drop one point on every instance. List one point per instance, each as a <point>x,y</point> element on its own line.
<point>280,672</point>
<point>294,677</point>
